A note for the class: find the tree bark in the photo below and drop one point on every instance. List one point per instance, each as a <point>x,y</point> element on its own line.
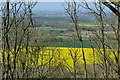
<point>109,5</point>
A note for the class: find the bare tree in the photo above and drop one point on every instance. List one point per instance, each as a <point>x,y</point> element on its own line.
<point>72,11</point>
<point>103,20</point>
<point>13,22</point>
<point>111,7</point>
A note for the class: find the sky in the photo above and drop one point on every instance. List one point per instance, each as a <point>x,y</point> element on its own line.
<point>55,6</point>
<point>45,0</point>
<point>49,6</point>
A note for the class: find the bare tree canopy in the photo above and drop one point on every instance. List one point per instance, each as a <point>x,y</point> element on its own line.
<point>112,6</point>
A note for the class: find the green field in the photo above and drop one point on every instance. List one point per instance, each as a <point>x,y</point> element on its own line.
<point>87,44</point>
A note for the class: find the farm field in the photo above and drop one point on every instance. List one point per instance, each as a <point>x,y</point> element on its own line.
<point>60,55</point>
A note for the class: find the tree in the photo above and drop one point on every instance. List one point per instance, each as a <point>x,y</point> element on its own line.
<point>71,9</point>
<point>15,34</point>
<point>114,7</point>
<point>111,7</point>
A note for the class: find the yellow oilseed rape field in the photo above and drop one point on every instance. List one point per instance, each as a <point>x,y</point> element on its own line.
<point>36,56</point>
